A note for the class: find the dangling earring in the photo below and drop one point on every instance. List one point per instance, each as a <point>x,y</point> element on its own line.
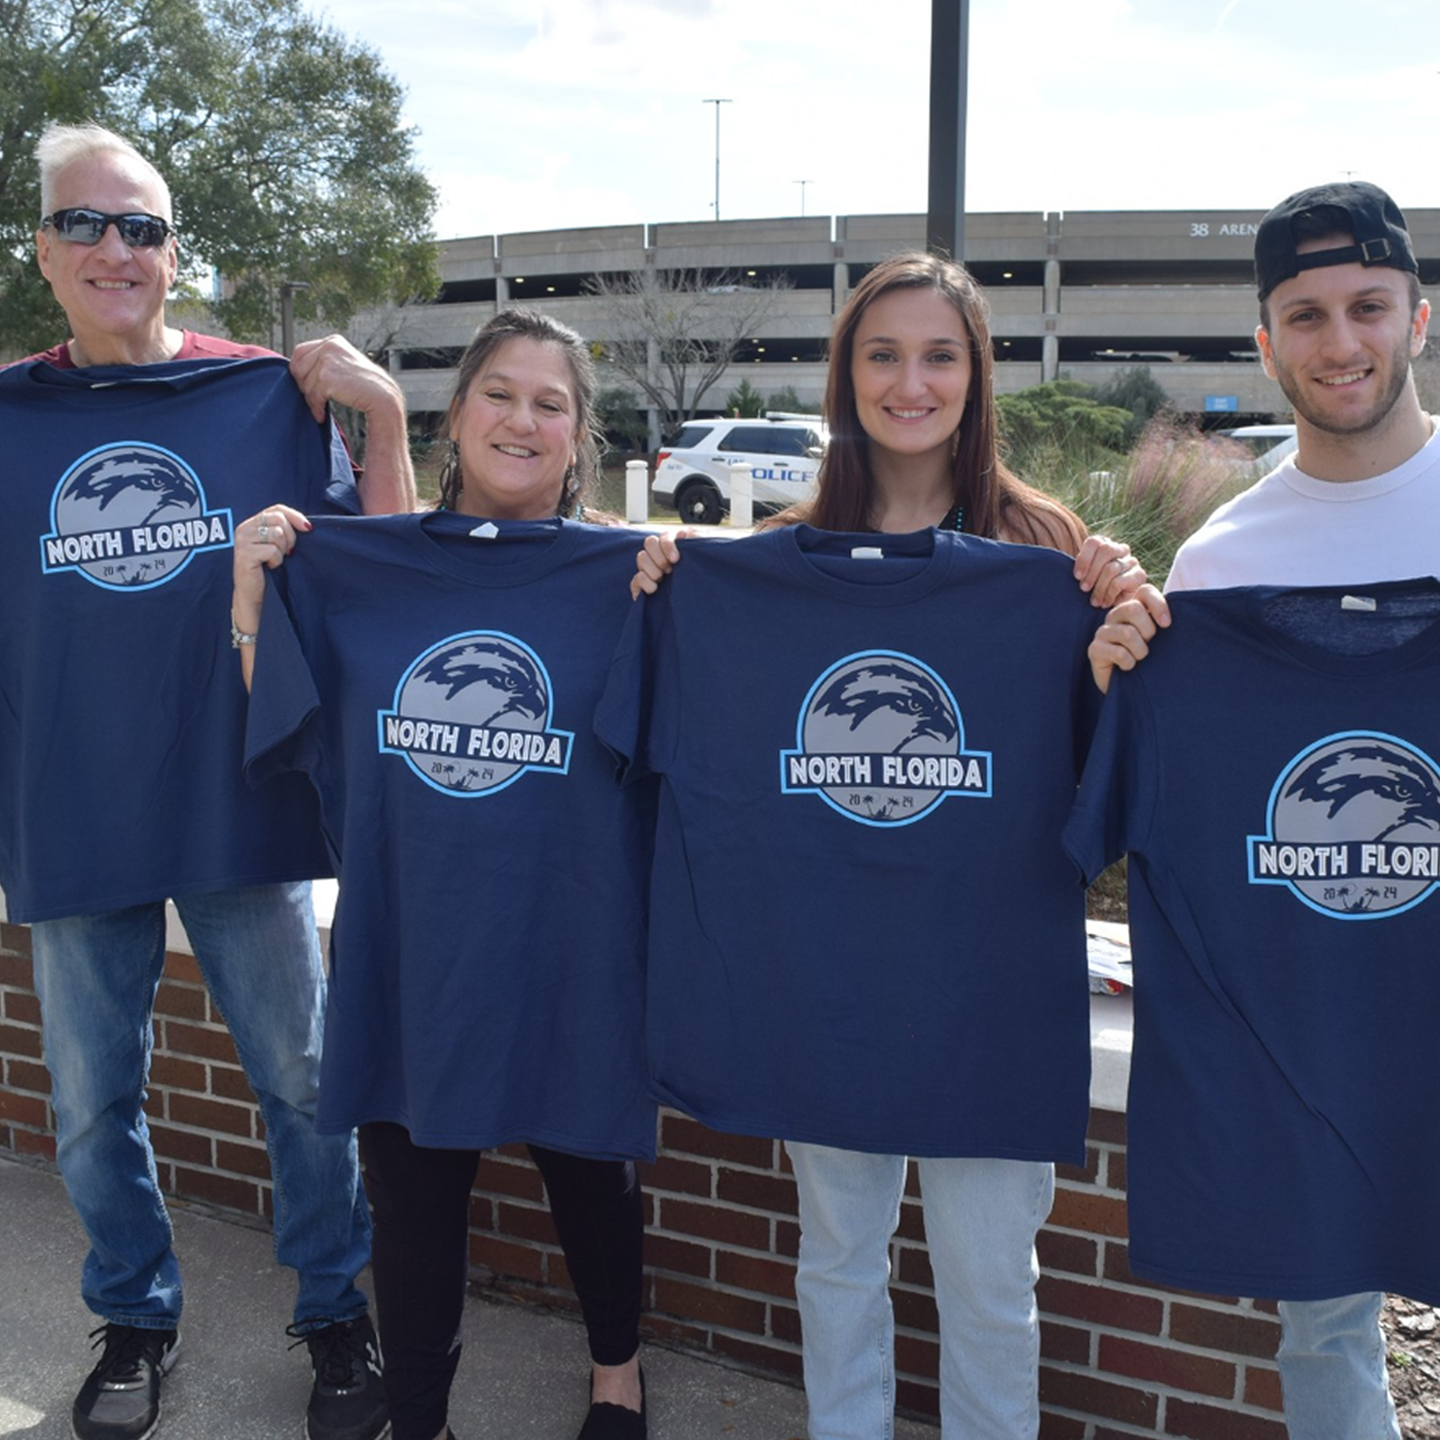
<point>567,500</point>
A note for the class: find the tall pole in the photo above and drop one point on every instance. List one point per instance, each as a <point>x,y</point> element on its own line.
<point>949,61</point>
<point>717,104</point>
<point>802,184</point>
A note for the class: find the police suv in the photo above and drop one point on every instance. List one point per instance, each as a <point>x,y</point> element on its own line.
<point>692,473</point>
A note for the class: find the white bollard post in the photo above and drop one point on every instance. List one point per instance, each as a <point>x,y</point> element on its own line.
<point>742,496</point>
<point>637,491</point>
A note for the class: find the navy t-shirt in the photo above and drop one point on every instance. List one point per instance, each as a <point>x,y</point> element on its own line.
<point>438,687</point>
<point>121,706</point>
<point>865,932</point>
<point>1273,770</point>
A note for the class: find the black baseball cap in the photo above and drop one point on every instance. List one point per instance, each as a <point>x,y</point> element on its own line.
<point>1352,208</point>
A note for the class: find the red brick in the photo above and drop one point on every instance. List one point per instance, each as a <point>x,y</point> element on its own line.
<point>1262,1388</point>
<point>690,1137</point>
<point>913,1267</point>
<point>226,1190</point>
<point>915,1309</point>
<point>711,1222</point>
<point>228,1082</point>
<point>22,1007</point>
<point>1089,1211</point>
<point>775,1193</point>
<point>177,1074</point>
<point>27,1142</point>
<point>755,1272</point>
<point>482,1211</point>
<point>1085,1174</point>
<point>1074,1254</point>
<point>785,1323</point>
<point>186,1146</point>
<point>197,1040</point>
<point>1100,1305</point>
<point>186,1002</point>
<point>1195,1421</point>
<point>916,1399</point>
<point>183,967</point>
<point>1232,1331</point>
<point>759,1354</point>
<point>523,1222</point>
<point>28,1110</point>
<point>787,1238</point>
<point>709,1306</point>
<point>1062,1427</point>
<point>1107,1127</point>
<point>503,1258</point>
<point>676,1332</point>
<point>242,1159</point>
<point>1087,1394</point>
<point>219,1115</point>
<point>687,1177</point>
<point>1117,1170</point>
<point>16,939</point>
<point>1167,1365</point>
<point>521,1182</point>
<point>912,1221</point>
<point>19,1040</point>
<point>665,1252</point>
<point>917,1356</point>
<point>27,1075</point>
<point>1068,1344</point>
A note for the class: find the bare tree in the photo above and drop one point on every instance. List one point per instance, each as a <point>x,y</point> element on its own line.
<point>672,333</point>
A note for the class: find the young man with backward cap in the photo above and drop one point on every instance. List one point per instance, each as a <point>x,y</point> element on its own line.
<point>1341,320</point>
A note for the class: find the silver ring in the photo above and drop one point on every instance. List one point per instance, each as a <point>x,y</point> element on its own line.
<point>262,533</point>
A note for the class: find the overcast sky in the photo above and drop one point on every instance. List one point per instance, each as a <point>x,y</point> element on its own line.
<point>535,114</point>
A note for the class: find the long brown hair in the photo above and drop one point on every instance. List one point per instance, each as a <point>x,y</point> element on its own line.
<point>517,322</point>
<point>994,502</point>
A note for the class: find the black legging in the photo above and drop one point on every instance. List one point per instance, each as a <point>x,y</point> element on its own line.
<point>420,1260</point>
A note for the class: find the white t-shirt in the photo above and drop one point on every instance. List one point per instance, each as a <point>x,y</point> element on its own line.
<point>1291,529</point>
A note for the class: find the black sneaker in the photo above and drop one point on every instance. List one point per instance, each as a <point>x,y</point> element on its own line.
<point>348,1399</point>
<point>120,1399</point>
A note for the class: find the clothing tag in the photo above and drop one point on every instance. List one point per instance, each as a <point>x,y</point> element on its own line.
<point>867,552</point>
<point>488,531</point>
<point>1358,602</point>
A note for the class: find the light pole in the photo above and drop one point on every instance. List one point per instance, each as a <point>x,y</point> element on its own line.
<point>288,289</point>
<point>802,184</point>
<point>717,104</point>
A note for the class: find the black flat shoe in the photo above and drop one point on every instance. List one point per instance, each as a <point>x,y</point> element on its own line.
<point>607,1421</point>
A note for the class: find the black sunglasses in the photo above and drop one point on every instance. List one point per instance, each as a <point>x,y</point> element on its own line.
<point>87,227</point>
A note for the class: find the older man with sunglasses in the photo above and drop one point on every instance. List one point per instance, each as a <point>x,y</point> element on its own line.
<point>107,245</point>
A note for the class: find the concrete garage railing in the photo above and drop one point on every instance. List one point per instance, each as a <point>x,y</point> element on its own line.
<point>1119,1357</point>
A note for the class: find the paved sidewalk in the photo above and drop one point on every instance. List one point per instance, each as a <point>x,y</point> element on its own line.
<point>522,1374</point>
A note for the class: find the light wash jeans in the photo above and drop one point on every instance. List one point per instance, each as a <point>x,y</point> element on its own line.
<point>96,976</point>
<point>980,1222</point>
<point>1332,1368</point>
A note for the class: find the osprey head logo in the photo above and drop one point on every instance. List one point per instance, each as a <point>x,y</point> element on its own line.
<point>1354,827</point>
<point>879,738</point>
<point>473,713</point>
<point>128,516</point>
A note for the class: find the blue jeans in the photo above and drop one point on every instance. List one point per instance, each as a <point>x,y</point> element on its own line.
<point>981,1216</point>
<point>96,976</point>
<point>1332,1369</point>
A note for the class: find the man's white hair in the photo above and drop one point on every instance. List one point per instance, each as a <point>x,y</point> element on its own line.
<point>62,145</point>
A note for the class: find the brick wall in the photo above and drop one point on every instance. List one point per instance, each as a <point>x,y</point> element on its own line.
<point>1119,1357</point>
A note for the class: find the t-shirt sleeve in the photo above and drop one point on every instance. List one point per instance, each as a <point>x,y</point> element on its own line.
<point>1113,809</point>
<point>636,717</point>
<point>342,497</point>
<point>283,697</point>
